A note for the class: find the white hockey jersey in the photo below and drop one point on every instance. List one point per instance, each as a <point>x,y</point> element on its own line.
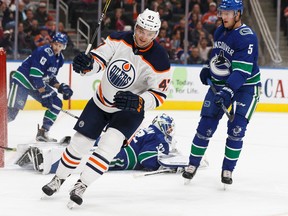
<point>128,68</point>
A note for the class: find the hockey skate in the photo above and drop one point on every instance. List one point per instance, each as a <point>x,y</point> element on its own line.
<point>42,136</point>
<point>76,194</point>
<point>226,178</point>
<point>189,173</point>
<point>53,186</point>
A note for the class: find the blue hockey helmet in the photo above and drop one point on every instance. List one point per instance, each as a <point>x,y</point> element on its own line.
<point>60,38</point>
<point>235,5</point>
<point>165,124</point>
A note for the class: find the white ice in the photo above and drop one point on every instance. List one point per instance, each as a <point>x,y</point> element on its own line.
<point>260,180</point>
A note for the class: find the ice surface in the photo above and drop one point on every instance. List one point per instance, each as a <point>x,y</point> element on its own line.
<point>260,180</point>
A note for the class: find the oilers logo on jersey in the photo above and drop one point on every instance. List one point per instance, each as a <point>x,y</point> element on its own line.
<point>121,74</point>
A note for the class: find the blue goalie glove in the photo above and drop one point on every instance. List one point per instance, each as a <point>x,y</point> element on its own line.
<point>128,101</point>
<point>204,75</point>
<point>47,98</point>
<point>83,63</point>
<point>66,91</point>
<point>224,96</point>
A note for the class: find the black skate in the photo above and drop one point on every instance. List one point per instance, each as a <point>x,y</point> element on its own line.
<point>53,186</point>
<point>25,159</point>
<point>42,136</point>
<point>76,194</point>
<point>226,177</point>
<point>189,173</point>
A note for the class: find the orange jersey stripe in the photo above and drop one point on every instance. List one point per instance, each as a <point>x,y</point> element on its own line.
<point>98,163</point>
<point>158,97</point>
<point>70,161</point>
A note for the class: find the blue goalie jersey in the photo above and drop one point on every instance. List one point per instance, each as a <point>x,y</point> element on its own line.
<point>235,51</point>
<point>142,152</point>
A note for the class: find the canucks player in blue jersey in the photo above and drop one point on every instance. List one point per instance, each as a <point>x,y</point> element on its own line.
<point>136,77</point>
<point>37,77</point>
<point>234,73</point>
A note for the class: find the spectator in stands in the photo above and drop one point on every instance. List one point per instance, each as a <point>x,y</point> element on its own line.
<point>7,41</point>
<point>195,10</point>
<point>43,38</point>
<point>196,34</point>
<point>193,21</point>
<point>176,44</point>
<point>209,18</point>
<point>203,48</point>
<point>165,25</point>
<point>177,7</point>
<point>195,57</point>
<point>118,21</point>
<point>51,26</point>
<point>41,14</point>
<point>24,41</point>
<point>27,23</point>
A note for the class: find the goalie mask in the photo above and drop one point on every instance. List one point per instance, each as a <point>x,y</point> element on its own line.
<point>165,124</point>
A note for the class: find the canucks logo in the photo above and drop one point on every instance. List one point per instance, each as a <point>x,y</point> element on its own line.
<point>220,65</point>
<point>121,74</point>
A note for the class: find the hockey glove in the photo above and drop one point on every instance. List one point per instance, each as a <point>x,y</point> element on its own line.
<point>128,101</point>
<point>204,75</point>
<point>83,63</point>
<point>66,91</point>
<point>224,96</point>
<point>47,98</point>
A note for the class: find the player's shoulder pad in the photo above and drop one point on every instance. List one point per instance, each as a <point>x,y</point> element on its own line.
<point>158,58</point>
<point>45,50</point>
<point>127,36</point>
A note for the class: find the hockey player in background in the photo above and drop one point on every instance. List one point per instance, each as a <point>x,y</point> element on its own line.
<point>37,77</point>
<point>234,73</point>
<point>136,78</point>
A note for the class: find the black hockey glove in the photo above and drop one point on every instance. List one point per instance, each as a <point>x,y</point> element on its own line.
<point>66,91</point>
<point>83,63</point>
<point>47,98</point>
<point>204,75</point>
<point>126,100</point>
<point>224,96</point>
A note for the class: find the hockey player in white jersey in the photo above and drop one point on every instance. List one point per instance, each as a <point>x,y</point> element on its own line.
<point>136,77</point>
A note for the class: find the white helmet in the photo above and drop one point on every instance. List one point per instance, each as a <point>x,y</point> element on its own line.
<point>149,20</point>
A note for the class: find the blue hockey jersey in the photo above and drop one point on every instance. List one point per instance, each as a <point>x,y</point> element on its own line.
<point>235,52</point>
<point>39,68</point>
<point>142,152</point>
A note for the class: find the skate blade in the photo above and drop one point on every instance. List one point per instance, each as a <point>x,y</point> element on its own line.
<point>71,205</point>
<point>187,181</point>
<point>44,196</point>
<point>226,187</point>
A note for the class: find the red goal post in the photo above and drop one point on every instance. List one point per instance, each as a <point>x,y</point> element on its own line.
<point>3,105</point>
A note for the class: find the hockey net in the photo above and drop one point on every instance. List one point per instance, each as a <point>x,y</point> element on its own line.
<point>3,105</point>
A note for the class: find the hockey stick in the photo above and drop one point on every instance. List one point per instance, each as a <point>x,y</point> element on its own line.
<point>8,148</point>
<point>65,111</point>
<point>137,175</point>
<point>107,3</point>
<point>230,116</point>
